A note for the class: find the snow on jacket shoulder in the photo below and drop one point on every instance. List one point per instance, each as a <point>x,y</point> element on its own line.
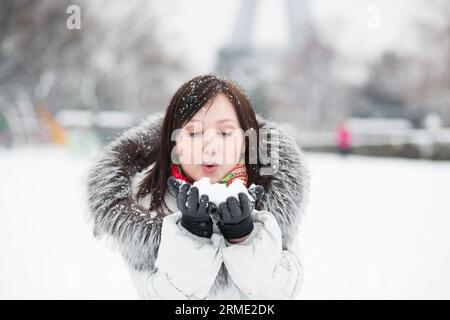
<point>168,262</point>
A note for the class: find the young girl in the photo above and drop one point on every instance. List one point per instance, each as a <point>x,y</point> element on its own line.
<point>175,242</point>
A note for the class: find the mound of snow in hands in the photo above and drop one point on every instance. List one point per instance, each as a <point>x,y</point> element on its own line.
<point>219,192</point>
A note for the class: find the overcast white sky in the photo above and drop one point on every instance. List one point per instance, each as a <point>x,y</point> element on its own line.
<point>353,26</point>
<point>360,30</point>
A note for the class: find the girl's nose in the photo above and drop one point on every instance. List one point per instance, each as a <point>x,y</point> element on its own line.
<point>210,144</point>
<point>210,148</point>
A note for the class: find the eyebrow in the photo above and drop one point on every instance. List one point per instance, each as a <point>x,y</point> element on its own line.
<point>219,121</point>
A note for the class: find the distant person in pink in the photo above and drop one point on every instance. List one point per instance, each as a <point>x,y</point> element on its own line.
<point>343,138</point>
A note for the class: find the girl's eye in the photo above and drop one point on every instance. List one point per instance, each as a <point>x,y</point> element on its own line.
<point>227,133</point>
<point>199,133</point>
<point>195,134</point>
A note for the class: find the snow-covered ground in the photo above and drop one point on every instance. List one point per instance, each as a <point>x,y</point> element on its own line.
<point>375,228</point>
<point>46,248</point>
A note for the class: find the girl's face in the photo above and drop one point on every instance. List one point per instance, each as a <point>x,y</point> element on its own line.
<point>212,142</point>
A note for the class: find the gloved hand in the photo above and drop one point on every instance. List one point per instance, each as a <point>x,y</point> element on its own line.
<point>257,192</point>
<point>195,216</point>
<point>235,219</point>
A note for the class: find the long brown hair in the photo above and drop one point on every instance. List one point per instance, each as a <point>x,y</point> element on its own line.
<point>185,103</point>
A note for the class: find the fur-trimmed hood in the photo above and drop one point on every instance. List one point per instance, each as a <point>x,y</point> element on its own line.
<point>135,231</point>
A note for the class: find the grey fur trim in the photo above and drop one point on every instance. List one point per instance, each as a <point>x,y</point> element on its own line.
<point>287,195</point>
<point>136,231</point>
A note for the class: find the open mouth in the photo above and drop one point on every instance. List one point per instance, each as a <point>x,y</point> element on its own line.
<point>209,168</point>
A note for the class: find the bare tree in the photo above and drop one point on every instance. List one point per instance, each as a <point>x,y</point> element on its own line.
<point>117,64</point>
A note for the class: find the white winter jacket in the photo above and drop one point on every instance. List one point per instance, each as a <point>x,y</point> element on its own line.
<point>187,265</point>
<point>168,262</point>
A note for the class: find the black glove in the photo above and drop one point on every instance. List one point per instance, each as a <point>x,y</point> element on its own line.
<point>257,192</point>
<point>235,216</point>
<point>195,214</point>
<point>174,185</point>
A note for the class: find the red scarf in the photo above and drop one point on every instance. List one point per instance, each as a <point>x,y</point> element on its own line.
<point>239,171</point>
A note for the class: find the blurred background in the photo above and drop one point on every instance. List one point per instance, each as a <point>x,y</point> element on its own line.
<point>363,86</point>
